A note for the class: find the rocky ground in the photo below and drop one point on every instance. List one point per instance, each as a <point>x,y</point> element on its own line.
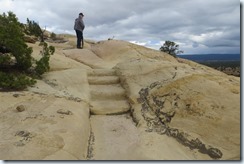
<point>114,100</point>
<point>231,71</point>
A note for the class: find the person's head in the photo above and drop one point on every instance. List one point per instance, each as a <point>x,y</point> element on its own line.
<point>81,15</point>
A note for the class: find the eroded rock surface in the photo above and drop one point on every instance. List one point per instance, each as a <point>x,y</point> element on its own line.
<point>160,108</point>
<point>160,102</point>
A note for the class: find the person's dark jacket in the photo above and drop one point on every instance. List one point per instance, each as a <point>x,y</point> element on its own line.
<point>79,24</point>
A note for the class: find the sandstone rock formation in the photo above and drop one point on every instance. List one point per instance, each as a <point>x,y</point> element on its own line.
<point>114,100</point>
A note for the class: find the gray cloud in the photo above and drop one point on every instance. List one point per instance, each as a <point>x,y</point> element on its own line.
<point>199,26</point>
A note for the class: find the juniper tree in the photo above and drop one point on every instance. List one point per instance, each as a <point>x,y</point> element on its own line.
<point>12,41</point>
<point>16,62</point>
<point>171,48</point>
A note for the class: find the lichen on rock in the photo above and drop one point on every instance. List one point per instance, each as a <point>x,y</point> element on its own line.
<point>25,137</point>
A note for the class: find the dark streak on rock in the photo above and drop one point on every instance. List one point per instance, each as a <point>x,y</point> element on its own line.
<point>158,121</point>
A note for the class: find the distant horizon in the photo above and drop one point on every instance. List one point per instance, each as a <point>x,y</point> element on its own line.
<point>212,57</point>
<point>210,54</point>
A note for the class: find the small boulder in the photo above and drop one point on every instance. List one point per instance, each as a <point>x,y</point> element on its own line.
<point>215,153</point>
<point>16,95</point>
<point>20,108</point>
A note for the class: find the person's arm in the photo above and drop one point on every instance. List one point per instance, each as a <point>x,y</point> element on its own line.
<point>82,25</point>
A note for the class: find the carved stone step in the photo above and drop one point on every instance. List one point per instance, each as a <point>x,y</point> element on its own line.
<point>103,80</point>
<point>103,92</point>
<point>108,107</point>
<point>101,72</point>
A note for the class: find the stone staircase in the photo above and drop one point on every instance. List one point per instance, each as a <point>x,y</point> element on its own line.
<point>107,95</point>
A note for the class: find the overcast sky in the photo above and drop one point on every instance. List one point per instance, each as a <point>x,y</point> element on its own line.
<point>198,26</point>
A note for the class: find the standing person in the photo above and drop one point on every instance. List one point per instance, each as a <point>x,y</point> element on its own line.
<point>79,27</point>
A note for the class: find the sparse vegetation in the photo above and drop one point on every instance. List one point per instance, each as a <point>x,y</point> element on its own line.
<point>42,65</point>
<point>17,66</point>
<point>228,67</point>
<point>111,38</point>
<point>53,36</point>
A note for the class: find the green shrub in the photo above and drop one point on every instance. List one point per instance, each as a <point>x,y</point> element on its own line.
<point>15,81</point>
<point>4,59</point>
<point>33,28</point>
<point>42,65</point>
